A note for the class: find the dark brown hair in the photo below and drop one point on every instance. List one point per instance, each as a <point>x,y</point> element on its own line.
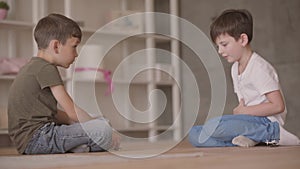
<point>234,22</point>
<point>55,26</point>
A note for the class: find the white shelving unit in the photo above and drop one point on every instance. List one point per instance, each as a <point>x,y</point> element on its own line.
<point>15,41</point>
<point>94,15</point>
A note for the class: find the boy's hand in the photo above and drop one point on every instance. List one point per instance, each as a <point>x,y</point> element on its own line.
<point>240,108</point>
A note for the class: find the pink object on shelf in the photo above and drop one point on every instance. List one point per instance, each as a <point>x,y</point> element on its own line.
<point>11,65</point>
<point>106,74</point>
<point>3,14</point>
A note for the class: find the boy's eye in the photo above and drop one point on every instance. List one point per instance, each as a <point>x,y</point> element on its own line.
<point>224,44</point>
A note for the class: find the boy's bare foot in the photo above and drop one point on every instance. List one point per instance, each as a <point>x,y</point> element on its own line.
<point>243,141</point>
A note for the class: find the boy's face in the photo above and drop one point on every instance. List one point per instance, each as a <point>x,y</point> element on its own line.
<point>67,52</point>
<point>229,48</point>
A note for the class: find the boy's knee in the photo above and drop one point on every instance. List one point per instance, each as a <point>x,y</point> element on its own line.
<point>99,129</point>
<point>104,129</point>
<point>194,135</point>
<point>107,132</point>
<point>101,134</point>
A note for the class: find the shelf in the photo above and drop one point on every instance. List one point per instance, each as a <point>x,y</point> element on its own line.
<point>143,82</point>
<point>7,77</point>
<point>18,25</point>
<point>3,131</point>
<point>140,35</point>
<point>105,32</point>
<point>120,81</point>
<point>159,38</point>
<point>88,30</point>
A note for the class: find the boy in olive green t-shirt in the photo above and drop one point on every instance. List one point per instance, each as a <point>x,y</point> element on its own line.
<point>36,126</point>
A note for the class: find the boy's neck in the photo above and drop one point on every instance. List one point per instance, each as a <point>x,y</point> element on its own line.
<point>42,53</point>
<point>243,62</point>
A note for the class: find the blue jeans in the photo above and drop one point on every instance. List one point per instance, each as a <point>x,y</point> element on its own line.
<point>219,131</point>
<point>52,138</point>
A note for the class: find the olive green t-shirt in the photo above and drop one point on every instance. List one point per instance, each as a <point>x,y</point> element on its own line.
<point>31,103</point>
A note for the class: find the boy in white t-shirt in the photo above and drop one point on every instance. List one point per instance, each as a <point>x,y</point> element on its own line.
<point>261,112</point>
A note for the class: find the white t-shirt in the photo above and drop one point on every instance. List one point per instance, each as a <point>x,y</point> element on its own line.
<point>258,78</point>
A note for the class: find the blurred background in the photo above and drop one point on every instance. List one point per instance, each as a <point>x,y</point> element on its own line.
<point>276,38</point>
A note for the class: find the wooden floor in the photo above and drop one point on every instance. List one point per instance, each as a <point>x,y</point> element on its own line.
<point>183,156</point>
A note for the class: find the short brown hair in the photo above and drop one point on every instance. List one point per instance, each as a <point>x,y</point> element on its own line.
<point>55,26</point>
<point>234,22</point>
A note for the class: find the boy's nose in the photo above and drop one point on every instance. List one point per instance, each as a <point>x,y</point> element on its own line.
<point>220,51</point>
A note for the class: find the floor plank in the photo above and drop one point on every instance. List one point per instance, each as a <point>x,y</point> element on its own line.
<point>181,156</point>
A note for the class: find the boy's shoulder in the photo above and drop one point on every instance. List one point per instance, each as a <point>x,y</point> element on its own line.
<point>256,64</point>
<point>38,63</point>
<point>259,65</point>
<point>38,68</point>
<point>259,61</point>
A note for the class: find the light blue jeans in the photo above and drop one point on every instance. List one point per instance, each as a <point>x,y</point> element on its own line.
<point>219,131</point>
<point>52,138</point>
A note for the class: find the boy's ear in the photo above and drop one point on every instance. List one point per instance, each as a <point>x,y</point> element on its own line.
<point>244,39</point>
<point>54,46</point>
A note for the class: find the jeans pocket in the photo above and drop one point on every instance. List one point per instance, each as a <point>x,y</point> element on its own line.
<point>39,148</point>
<point>39,143</point>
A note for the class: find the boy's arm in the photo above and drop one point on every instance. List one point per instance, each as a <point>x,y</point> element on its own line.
<point>73,112</point>
<point>274,106</point>
<point>62,118</point>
